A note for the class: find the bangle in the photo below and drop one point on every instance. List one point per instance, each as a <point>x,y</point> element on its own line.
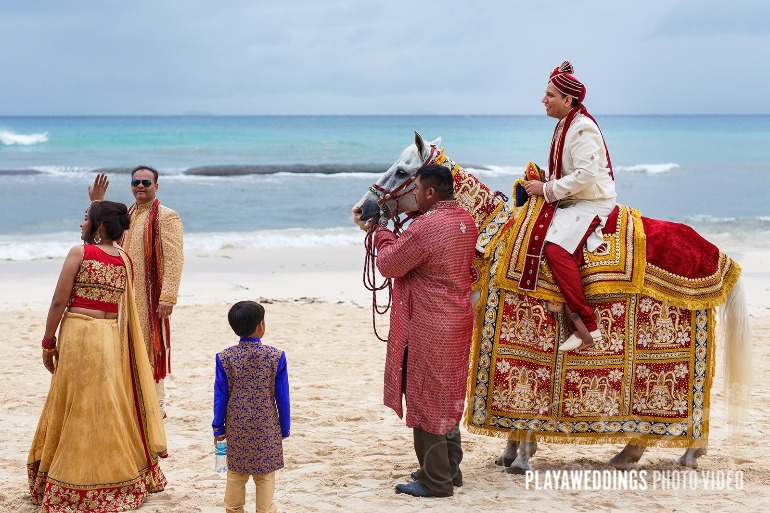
<point>49,350</point>
<point>96,201</point>
<point>48,343</point>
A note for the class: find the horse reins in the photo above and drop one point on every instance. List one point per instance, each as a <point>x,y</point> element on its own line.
<point>370,262</point>
<point>370,281</point>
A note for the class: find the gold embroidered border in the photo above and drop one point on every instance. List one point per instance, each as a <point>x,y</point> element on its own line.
<point>698,293</point>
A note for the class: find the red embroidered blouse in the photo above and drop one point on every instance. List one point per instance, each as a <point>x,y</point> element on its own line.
<point>100,281</point>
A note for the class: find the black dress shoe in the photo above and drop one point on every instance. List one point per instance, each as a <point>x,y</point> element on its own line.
<point>457,481</point>
<point>414,489</point>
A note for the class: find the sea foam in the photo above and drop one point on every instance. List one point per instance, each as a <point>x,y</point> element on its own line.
<point>271,239</point>
<point>57,245</point>
<point>10,138</point>
<point>496,171</point>
<point>36,247</point>
<point>652,169</point>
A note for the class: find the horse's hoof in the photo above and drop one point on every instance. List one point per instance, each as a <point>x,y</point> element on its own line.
<point>620,465</point>
<point>626,458</point>
<point>502,461</point>
<point>516,470</point>
<point>690,458</point>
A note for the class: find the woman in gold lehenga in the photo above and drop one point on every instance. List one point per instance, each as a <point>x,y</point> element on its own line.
<point>99,437</point>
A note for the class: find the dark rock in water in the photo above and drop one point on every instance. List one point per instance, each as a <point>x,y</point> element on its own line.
<point>267,169</point>
<point>474,166</point>
<point>19,172</point>
<point>114,170</point>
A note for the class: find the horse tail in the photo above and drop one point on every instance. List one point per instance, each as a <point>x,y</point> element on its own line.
<point>737,343</point>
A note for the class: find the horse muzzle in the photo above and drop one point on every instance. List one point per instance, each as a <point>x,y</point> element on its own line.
<point>368,208</point>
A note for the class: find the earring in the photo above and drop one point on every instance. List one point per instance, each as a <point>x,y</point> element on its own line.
<point>97,238</point>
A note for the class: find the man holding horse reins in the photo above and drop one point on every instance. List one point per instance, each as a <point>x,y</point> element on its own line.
<point>581,184</point>
<point>431,325</point>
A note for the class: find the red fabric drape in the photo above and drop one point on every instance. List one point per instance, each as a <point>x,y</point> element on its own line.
<point>160,329</point>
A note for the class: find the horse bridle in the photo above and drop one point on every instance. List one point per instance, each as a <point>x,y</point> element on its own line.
<point>385,195</point>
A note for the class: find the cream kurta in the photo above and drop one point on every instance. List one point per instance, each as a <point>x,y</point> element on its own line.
<point>585,190</point>
<point>171,234</point>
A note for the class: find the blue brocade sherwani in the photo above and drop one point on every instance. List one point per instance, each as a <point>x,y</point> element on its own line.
<point>252,422</point>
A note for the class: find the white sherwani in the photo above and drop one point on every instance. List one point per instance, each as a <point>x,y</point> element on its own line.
<point>585,190</point>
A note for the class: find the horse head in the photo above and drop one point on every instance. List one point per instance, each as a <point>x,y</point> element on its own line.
<point>391,194</point>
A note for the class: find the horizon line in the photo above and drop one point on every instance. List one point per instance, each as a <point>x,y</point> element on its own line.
<point>206,115</point>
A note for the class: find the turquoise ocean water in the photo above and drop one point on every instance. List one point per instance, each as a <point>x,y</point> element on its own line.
<point>712,172</point>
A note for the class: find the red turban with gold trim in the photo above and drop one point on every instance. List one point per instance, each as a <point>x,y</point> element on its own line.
<point>565,82</point>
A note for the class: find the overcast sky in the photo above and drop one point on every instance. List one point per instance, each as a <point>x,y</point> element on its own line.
<point>380,57</point>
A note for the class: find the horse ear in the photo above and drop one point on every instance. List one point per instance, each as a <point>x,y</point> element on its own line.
<point>419,143</point>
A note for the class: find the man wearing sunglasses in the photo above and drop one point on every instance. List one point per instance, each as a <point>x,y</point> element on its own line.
<point>154,241</point>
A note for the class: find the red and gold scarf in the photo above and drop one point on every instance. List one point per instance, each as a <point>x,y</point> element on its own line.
<point>557,143</point>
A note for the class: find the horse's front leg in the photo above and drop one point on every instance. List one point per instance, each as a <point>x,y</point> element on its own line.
<point>509,454</point>
<point>690,457</point>
<point>628,456</point>
<point>521,464</point>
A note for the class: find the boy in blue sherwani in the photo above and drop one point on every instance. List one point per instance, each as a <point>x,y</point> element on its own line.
<point>251,409</point>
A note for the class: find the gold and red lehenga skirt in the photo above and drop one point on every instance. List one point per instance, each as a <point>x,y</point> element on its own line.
<point>100,435</point>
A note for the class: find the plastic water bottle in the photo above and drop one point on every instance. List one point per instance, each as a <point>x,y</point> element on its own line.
<point>220,450</point>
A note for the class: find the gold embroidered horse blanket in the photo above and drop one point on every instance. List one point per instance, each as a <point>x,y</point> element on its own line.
<point>654,286</point>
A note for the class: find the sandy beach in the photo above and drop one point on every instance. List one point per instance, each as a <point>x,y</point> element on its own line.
<point>346,451</point>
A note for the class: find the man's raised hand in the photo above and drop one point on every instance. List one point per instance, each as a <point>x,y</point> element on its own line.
<point>97,191</point>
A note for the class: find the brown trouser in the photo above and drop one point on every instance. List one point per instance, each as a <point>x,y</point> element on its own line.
<point>235,492</point>
<point>439,457</point>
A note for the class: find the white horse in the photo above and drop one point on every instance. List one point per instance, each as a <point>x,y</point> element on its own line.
<point>391,196</point>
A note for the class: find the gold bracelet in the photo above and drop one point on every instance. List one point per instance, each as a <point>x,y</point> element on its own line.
<point>96,201</point>
<point>49,350</point>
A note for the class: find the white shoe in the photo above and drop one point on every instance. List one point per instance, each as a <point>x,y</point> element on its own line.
<point>574,341</point>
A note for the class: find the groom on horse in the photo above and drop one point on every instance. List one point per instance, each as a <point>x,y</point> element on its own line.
<point>580,189</point>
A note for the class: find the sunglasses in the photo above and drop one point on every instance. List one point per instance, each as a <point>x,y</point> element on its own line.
<point>135,182</point>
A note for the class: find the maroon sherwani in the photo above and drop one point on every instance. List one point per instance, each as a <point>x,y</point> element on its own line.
<point>432,315</point>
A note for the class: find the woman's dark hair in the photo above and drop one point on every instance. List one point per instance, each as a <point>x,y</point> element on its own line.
<point>113,215</point>
<point>244,316</point>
